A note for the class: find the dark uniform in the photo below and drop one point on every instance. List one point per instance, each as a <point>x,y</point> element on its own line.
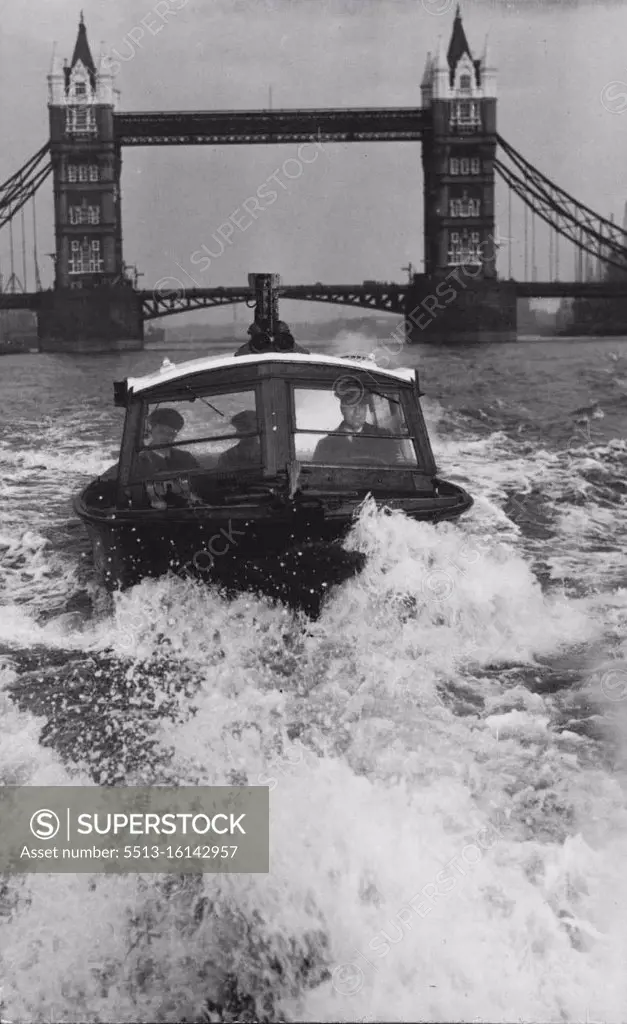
<point>241,455</point>
<point>178,461</point>
<point>246,452</point>
<point>367,443</point>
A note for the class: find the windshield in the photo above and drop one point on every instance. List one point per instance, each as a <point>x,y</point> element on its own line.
<point>344,426</point>
<point>207,431</point>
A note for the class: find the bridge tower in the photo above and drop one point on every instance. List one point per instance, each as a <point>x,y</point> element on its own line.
<point>458,297</point>
<point>93,306</point>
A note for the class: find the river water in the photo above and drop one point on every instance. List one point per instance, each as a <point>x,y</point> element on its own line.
<point>445,746</point>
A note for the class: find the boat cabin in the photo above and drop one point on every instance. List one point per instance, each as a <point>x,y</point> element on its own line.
<point>295,421</point>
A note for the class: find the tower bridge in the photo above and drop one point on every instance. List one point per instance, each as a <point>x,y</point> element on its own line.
<point>94,305</point>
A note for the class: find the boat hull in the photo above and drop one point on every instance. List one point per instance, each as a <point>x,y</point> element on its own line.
<point>292,554</point>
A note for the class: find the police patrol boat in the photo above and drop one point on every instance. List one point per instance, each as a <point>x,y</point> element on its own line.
<point>247,470</point>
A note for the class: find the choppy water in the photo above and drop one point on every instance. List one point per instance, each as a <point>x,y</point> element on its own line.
<point>446,746</point>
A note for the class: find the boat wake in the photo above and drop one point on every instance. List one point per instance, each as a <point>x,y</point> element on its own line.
<point>431,800</point>
<point>445,745</point>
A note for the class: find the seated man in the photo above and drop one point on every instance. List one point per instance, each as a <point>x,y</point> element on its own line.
<point>356,440</point>
<point>164,425</point>
<point>247,452</point>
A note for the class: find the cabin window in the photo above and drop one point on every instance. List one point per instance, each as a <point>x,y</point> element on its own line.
<point>349,424</point>
<point>205,431</point>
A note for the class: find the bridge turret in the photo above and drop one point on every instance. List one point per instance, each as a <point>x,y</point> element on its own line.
<point>427,84</point>
<point>107,92</point>
<point>488,73</point>
<point>439,72</point>
<point>56,78</point>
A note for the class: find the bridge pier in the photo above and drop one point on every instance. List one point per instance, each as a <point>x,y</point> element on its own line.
<point>588,317</point>
<point>456,309</point>
<point>90,320</point>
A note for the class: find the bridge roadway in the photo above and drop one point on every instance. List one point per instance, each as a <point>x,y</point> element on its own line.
<point>229,127</point>
<point>387,298</point>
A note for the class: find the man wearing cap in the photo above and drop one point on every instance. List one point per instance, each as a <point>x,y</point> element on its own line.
<point>247,452</point>
<point>164,425</point>
<point>355,440</point>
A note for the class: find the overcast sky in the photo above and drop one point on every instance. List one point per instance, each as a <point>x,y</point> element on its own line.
<point>356,211</point>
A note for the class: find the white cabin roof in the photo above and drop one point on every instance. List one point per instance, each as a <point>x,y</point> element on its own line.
<point>175,371</point>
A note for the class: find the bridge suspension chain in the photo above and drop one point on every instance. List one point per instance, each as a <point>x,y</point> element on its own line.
<point>18,189</point>
<point>26,169</point>
<point>588,230</point>
<point>10,206</point>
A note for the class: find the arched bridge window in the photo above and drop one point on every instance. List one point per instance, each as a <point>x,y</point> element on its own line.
<point>84,214</point>
<point>464,248</point>
<point>465,116</point>
<point>465,207</point>
<point>85,256</point>
<point>83,172</point>
<point>464,165</point>
<point>80,120</point>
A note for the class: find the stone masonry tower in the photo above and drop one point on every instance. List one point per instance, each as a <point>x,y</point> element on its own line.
<point>458,158</point>
<point>93,306</point>
<point>458,152</point>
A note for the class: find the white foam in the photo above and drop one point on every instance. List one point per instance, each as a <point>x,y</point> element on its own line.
<point>437,812</point>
